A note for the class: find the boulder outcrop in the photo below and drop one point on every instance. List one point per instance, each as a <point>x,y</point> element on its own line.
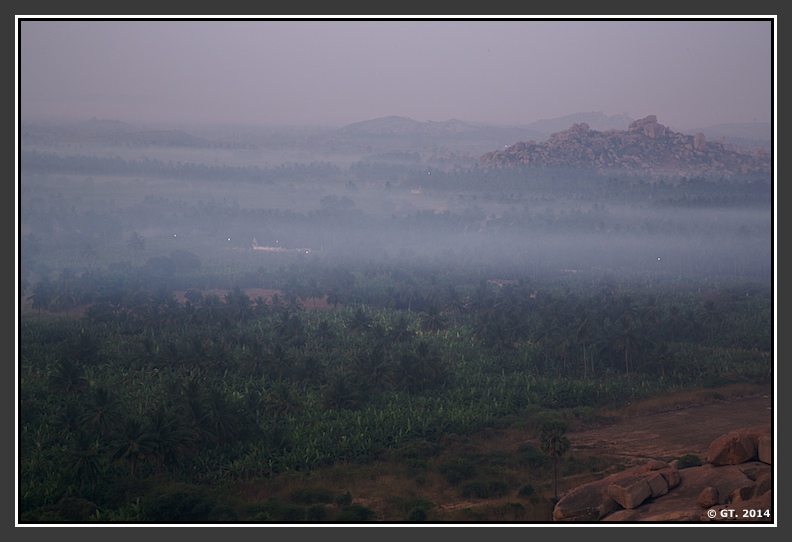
<point>734,484</point>
<point>646,146</point>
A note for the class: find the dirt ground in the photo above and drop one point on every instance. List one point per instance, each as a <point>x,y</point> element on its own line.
<point>671,434</point>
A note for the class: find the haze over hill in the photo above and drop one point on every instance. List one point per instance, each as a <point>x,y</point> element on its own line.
<point>394,132</point>
<point>334,73</point>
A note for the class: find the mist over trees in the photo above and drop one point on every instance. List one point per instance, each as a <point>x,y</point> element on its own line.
<point>210,315</point>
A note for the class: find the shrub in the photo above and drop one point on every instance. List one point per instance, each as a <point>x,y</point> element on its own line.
<point>532,457</point>
<point>279,511</point>
<point>510,510</point>
<point>311,495</point>
<point>406,504</point>
<point>344,499</point>
<point>351,513</point>
<point>484,489</point>
<point>222,512</point>
<point>457,470</point>
<point>417,514</point>
<point>689,460</point>
<point>416,449</point>
<point>291,512</point>
<point>526,491</point>
<point>178,503</point>
<point>317,512</point>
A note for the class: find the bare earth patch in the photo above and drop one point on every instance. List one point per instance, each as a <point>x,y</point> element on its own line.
<point>671,434</point>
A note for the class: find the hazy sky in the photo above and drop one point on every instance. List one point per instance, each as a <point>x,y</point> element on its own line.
<point>690,73</point>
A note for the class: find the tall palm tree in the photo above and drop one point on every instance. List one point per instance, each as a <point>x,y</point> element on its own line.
<point>168,439</point>
<point>627,339</point>
<point>409,294</point>
<point>400,328</point>
<point>583,337</point>
<point>552,442</point>
<point>67,416</point>
<point>103,411</point>
<point>83,457</point>
<point>564,339</point>
<point>43,294</point>
<point>453,301</point>
<point>432,319</point>
<point>211,308</point>
<point>239,304</point>
<point>432,292</point>
<point>67,377</point>
<point>132,444</point>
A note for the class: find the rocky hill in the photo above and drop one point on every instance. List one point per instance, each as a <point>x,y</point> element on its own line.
<point>646,146</point>
<point>597,120</point>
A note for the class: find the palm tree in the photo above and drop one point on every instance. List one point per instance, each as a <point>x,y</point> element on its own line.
<point>335,297</point>
<point>432,319</point>
<point>553,443</point>
<point>343,391</point>
<point>564,339</point>
<point>169,440</point>
<point>223,419</point>
<point>278,361</point>
<point>83,458</point>
<point>132,444</point>
<point>67,416</point>
<point>627,338</point>
<point>372,367</point>
<point>453,301</point>
<point>710,316</point>
<point>211,308</point>
<point>239,304</point>
<point>43,294</point>
<point>584,337</point>
<point>360,321</point>
<point>409,294</point>
<point>290,328</point>
<point>400,328</point>
<point>251,360</point>
<point>136,243</point>
<point>67,377</point>
<point>432,292</point>
<point>417,368</point>
<point>103,411</point>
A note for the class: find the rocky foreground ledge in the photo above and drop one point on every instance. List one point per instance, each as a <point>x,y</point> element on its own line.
<point>735,484</point>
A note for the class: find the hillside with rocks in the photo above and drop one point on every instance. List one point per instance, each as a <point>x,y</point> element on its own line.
<point>734,484</point>
<point>645,147</point>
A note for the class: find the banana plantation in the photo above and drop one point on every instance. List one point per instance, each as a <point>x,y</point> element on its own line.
<point>220,390</point>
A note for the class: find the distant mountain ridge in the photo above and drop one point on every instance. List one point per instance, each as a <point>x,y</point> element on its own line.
<point>391,133</point>
<point>397,130</point>
<point>108,132</point>
<point>748,136</point>
<point>646,146</point>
